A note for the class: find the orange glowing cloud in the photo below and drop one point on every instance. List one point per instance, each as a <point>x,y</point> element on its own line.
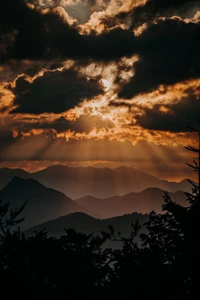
<point>108,107</point>
<point>98,21</point>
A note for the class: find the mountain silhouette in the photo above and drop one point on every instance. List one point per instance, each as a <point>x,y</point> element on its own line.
<point>87,224</point>
<point>143,202</point>
<point>102,182</point>
<point>6,175</point>
<point>43,203</point>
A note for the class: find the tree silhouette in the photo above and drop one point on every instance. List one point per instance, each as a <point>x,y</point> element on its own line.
<point>9,218</point>
<point>166,265</point>
<point>49,268</point>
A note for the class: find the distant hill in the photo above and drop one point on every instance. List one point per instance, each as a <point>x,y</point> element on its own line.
<point>6,175</point>
<point>86,224</point>
<point>102,182</point>
<point>43,203</point>
<point>143,202</point>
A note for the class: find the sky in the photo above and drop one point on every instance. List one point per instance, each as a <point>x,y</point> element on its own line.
<point>100,83</point>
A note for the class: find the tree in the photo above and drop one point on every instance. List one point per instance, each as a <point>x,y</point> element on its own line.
<point>45,267</point>
<point>166,266</point>
<point>9,218</point>
<point>179,230</point>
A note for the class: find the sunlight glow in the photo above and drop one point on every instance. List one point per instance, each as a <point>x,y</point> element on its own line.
<point>106,84</point>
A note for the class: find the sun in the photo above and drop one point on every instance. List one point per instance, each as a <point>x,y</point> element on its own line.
<point>106,84</point>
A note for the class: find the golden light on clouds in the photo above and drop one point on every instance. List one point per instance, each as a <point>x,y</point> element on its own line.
<point>106,84</point>
<point>6,96</point>
<point>165,94</point>
<point>87,104</point>
<point>99,19</point>
<point>140,29</point>
<point>105,106</point>
<point>194,19</point>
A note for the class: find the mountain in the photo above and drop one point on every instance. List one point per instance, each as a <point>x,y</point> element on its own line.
<point>102,182</point>
<point>143,202</point>
<point>86,224</point>
<point>6,175</point>
<point>43,203</point>
<point>97,182</point>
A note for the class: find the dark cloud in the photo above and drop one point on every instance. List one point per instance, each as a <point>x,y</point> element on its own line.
<point>53,92</point>
<point>169,53</point>
<point>47,36</point>
<point>168,50</point>
<point>182,114</point>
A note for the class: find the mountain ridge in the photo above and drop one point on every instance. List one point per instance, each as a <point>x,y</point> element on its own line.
<point>86,224</point>
<point>102,182</point>
<point>140,202</point>
<point>42,203</point>
<point>76,182</point>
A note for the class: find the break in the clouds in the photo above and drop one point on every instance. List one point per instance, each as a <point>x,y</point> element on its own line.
<point>87,74</point>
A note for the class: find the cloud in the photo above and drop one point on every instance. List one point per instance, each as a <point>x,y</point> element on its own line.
<point>168,108</point>
<point>84,124</point>
<point>54,92</point>
<point>10,70</point>
<point>37,35</point>
<point>168,52</point>
<point>152,10</point>
<point>141,57</point>
<point>174,117</point>
<point>106,16</point>
<point>79,10</point>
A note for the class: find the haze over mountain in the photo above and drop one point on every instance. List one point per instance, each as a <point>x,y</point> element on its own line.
<point>97,182</point>
<point>43,203</point>
<point>46,203</point>
<point>143,202</point>
<point>87,224</point>
<point>102,182</point>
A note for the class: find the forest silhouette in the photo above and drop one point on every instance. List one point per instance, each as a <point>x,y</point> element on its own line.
<point>164,265</point>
